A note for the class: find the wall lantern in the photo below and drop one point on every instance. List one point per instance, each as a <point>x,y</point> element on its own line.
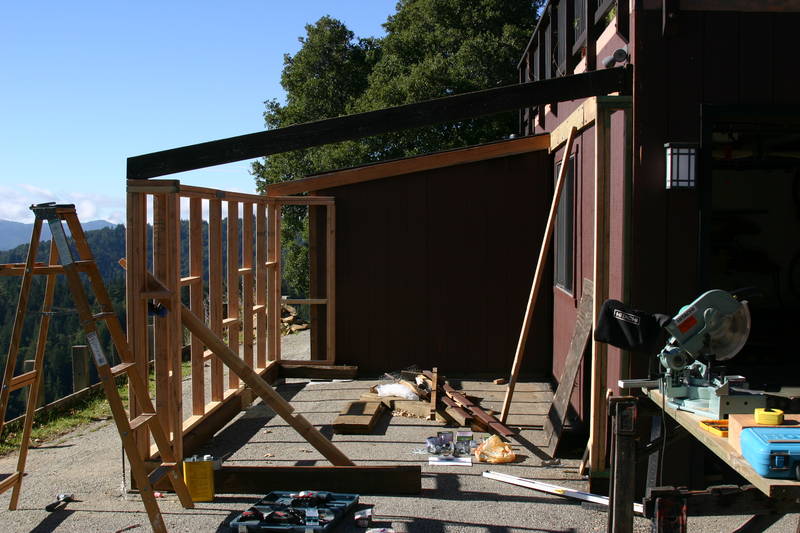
<point>681,165</point>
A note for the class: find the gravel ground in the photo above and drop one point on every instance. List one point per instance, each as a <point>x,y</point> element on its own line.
<point>454,499</point>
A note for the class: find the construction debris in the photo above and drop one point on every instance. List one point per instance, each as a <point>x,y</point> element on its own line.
<point>291,322</point>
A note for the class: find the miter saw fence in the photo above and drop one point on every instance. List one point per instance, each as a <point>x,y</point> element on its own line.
<point>712,328</point>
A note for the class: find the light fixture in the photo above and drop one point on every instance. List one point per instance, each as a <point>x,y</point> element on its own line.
<point>681,165</point>
<point>620,55</point>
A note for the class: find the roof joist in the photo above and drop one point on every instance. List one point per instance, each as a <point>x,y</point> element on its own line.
<point>440,110</point>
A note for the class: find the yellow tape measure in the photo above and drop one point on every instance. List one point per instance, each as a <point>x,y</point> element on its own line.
<point>768,417</point>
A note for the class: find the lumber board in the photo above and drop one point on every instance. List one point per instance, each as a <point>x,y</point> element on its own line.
<point>557,414</point>
<point>330,282</point>
<point>246,298</point>
<point>420,409</point>
<point>261,285</point>
<point>600,277</point>
<point>260,480</point>
<point>537,278</point>
<point>233,285</point>
<point>388,401</point>
<point>409,165</point>
<point>437,111</point>
<point>358,418</point>
<point>458,414</point>
<point>196,302</point>
<point>318,371</point>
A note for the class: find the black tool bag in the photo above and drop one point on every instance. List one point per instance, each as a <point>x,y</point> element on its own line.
<point>629,329</point>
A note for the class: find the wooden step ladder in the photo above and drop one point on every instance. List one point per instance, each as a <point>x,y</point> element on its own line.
<point>62,261</point>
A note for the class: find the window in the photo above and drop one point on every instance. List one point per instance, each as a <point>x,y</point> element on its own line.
<point>563,247</point>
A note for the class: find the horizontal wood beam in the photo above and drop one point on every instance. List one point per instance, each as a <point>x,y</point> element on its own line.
<point>448,109</point>
<point>408,165</point>
<point>402,479</point>
<point>288,370</point>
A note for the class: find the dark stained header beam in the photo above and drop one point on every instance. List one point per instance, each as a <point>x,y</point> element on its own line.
<point>440,110</point>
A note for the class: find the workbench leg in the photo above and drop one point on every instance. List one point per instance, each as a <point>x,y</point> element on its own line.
<point>654,461</point>
<point>670,515</point>
<point>623,461</point>
<point>758,523</point>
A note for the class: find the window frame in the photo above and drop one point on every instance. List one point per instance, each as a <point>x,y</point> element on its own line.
<point>568,198</point>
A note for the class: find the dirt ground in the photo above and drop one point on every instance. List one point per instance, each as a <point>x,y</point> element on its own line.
<point>454,498</point>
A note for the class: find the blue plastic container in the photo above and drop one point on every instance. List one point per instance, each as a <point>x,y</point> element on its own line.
<point>772,452</point>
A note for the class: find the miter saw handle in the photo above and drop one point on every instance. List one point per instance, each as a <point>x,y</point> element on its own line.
<point>747,293</point>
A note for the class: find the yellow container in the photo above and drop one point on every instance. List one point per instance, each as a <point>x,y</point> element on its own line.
<point>768,417</point>
<point>198,475</point>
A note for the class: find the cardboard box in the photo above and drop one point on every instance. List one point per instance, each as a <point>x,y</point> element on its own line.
<point>738,422</point>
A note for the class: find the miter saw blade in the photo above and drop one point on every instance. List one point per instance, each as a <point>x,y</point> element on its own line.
<point>728,333</point>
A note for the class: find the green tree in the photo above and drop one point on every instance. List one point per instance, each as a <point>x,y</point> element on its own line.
<point>432,49</point>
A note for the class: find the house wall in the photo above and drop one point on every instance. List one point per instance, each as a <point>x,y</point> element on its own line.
<point>434,268</point>
<point>704,58</point>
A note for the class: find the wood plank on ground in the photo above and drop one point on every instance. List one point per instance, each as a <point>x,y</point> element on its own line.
<point>399,479</point>
<point>318,371</point>
<point>358,418</point>
<point>557,414</point>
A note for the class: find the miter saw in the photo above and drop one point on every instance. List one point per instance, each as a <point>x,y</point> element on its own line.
<point>712,328</point>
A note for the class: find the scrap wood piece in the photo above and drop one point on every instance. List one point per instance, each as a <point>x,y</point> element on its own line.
<point>321,371</point>
<point>417,410</point>
<point>358,418</point>
<point>557,414</point>
<point>485,419</point>
<point>457,413</point>
<point>395,479</point>
<point>549,488</point>
<point>537,278</point>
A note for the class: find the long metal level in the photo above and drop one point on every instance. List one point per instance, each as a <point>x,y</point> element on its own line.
<point>556,489</point>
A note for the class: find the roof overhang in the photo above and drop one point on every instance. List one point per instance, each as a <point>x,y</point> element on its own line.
<point>410,165</point>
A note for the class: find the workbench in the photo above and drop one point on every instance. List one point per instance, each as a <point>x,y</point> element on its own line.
<point>772,499</point>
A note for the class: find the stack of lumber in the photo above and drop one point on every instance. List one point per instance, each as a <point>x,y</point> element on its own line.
<point>437,401</point>
<point>291,322</point>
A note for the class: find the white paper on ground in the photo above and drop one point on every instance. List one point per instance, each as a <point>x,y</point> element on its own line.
<point>458,461</point>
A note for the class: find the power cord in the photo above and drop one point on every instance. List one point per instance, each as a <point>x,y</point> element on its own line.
<point>663,389</point>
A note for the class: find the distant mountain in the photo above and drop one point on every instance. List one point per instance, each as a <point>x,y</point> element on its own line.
<point>12,234</point>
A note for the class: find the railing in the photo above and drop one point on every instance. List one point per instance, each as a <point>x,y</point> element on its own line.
<point>234,286</point>
<point>565,34</point>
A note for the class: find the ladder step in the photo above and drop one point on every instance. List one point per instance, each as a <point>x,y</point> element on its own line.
<point>140,420</point>
<point>22,380</point>
<point>159,473</point>
<point>104,315</point>
<point>120,368</point>
<point>9,482</point>
<point>84,265</point>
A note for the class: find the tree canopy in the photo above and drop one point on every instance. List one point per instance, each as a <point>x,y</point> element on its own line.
<point>432,49</point>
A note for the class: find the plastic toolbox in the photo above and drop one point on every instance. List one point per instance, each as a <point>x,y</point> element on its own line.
<point>773,452</point>
<point>295,511</point>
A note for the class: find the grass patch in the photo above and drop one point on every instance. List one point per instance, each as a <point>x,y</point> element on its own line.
<point>49,426</point>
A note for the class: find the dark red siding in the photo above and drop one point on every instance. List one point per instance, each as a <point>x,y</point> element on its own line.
<point>434,268</point>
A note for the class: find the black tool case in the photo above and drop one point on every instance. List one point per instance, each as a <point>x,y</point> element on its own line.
<point>288,511</point>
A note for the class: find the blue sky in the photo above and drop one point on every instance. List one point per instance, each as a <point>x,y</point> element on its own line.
<point>84,85</point>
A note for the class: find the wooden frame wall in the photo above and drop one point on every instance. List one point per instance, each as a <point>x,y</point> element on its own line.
<point>597,112</point>
<point>250,268</point>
